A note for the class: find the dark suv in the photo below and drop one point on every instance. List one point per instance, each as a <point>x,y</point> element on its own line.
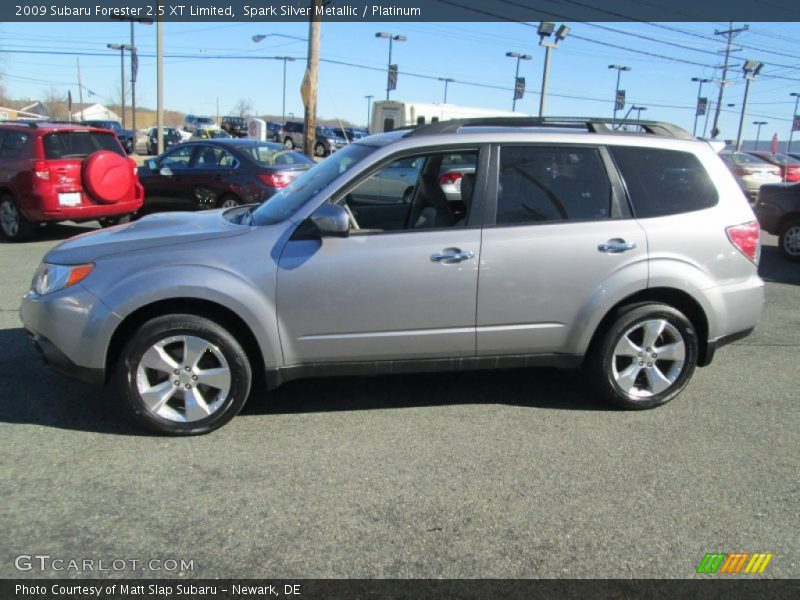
<point>778,212</point>
<point>59,172</point>
<point>125,136</point>
<point>235,126</point>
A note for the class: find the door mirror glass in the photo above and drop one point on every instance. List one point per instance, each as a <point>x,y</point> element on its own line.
<point>151,164</point>
<point>331,220</point>
<point>166,171</point>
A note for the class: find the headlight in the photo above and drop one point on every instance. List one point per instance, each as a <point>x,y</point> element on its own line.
<point>51,278</point>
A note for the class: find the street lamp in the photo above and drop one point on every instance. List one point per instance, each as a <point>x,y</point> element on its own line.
<point>758,131</point>
<point>638,110</point>
<point>519,57</point>
<point>392,38</point>
<point>620,69</point>
<point>369,111</point>
<point>700,81</point>
<point>285,59</point>
<point>446,81</point>
<point>122,48</point>
<point>134,63</point>
<point>751,68</point>
<point>796,96</point>
<point>545,31</point>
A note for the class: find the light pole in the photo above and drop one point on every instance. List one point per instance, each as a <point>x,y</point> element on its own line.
<point>701,81</point>
<point>446,81</point>
<point>758,131</point>
<point>620,69</point>
<point>369,107</point>
<point>638,110</point>
<point>392,38</point>
<point>796,96</point>
<point>134,64</point>
<point>519,57</point>
<point>545,31</point>
<point>750,69</point>
<point>121,48</point>
<point>285,59</point>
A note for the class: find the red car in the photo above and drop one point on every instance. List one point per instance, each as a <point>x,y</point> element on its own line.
<point>790,167</point>
<point>59,172</point>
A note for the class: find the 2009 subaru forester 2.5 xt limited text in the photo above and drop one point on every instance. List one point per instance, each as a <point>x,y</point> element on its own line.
<point>631,254</point>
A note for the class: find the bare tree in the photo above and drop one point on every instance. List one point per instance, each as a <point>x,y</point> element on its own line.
<point>56,104</point>
<point>243,107</point>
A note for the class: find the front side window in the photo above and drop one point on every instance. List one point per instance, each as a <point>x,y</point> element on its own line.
<point>664,182</point>
<point>180,157</point>
<point>539,184</point>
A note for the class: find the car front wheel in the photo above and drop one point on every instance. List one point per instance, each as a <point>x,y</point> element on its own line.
<point>789,240</point>
<point>289,143</point>
<point>319,150</point>
<point>183,374</point>
<point>645,358</point>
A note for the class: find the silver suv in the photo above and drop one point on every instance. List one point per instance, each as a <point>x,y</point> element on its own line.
<point>572,244</point>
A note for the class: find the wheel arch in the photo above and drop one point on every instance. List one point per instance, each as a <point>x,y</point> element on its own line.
<point>676,298</point>
<point>208,309</point>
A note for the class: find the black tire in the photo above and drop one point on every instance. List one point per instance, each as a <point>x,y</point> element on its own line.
<point>319,150</point>
<point>789,240</point>
<point>228,201</point>
<point>288,143</point>
<point>605,366</point>
<point>13,225</point>
<point>175,326</point>
<point>111,221</point>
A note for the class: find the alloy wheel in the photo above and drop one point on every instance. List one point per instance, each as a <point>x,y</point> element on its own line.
<point>791,240</point>
<point>9,218</point>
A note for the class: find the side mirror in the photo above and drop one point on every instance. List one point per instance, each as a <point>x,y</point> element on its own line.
<point>151,164</point>
<point>331,220</point>
<point>166,171</point>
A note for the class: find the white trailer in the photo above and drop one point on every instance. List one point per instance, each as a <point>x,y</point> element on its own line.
<point>391,114</point>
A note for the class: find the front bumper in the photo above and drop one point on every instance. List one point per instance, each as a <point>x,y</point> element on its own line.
<point>72,330</point>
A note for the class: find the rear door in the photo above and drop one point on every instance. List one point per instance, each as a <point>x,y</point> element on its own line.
<point>559,233</point>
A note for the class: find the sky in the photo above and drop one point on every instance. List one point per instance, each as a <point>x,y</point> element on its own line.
<point>580,82</point>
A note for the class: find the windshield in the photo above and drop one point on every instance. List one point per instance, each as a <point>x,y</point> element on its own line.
<point>205,121</point>
<point>285,203</point>
<point>741,158</point>
<point>79,144</point>
<point>327,131</point>
<point>217,133</point>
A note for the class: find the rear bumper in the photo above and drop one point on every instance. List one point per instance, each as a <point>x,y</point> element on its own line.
<point>714,345</point>
<point>40,208</point>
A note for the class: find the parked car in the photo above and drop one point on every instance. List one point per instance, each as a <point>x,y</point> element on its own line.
<point>325,141</point>
<point>218,173</point>
<point>795,155</point>
<point>235,126</point>
<point>778,212</point>
<point>611,264</point>
<point>57,172</point>
<point>789,167</point>
<point>171,136</point>
<point>349,133</point>
<point>125,136</point>
<point>751,172</point>
<point>192,122</point>
<point>276,131</point>
<point>209,133</point>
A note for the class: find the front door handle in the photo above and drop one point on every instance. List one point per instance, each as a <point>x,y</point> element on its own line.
<point>450,256</point>
<point>616,245</point>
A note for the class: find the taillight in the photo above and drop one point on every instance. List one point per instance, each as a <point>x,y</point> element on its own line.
<point>446,178</point>
<point>745,238</point>
<point>41,170</point>
<point>276,180</point>
<point>133,164</point>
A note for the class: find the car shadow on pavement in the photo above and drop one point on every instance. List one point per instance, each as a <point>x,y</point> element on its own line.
<point>53,232</point>
<point>32,394</point>
<point>773,267</point>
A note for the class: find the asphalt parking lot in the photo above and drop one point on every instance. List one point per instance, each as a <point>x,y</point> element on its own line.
<point>499,474</point>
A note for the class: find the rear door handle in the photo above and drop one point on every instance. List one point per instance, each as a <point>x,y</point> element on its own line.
<point>616,245</point>
<point>450,256</point>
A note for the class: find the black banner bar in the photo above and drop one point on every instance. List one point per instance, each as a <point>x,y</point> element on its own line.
<point>400,10</point>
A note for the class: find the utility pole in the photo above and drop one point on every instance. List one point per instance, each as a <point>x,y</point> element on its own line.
<point>160,80</point>
<point>730,33</point>
<point>369,111</point>
<point>309,88</point>
<point>80,87</point>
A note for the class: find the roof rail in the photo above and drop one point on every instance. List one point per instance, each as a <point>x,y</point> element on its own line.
<point>591,124</point>
<point>33,124</point>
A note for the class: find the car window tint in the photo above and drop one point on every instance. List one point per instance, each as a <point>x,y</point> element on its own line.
<point>78,144</point>
<point>179,157</point>
<point>13,144</point>
<point>664,182</point>
<point>209,157</point>
<point>543,184</point>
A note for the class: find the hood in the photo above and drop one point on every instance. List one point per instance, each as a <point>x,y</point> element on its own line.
<point>153,231</point>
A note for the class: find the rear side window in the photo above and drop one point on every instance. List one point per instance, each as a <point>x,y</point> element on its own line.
<point>664,182</point>
<point>13,144</point>
<point>541,184</point>
<point>79,144</point>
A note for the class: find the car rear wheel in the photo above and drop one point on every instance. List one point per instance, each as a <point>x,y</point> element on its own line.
<point>229,201</point>
<point>289,143</point>
<point>13,224</point>
<point>645,358</point>
<point>789,240</point>
<point>319,150</point>
<point>183,375</point>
